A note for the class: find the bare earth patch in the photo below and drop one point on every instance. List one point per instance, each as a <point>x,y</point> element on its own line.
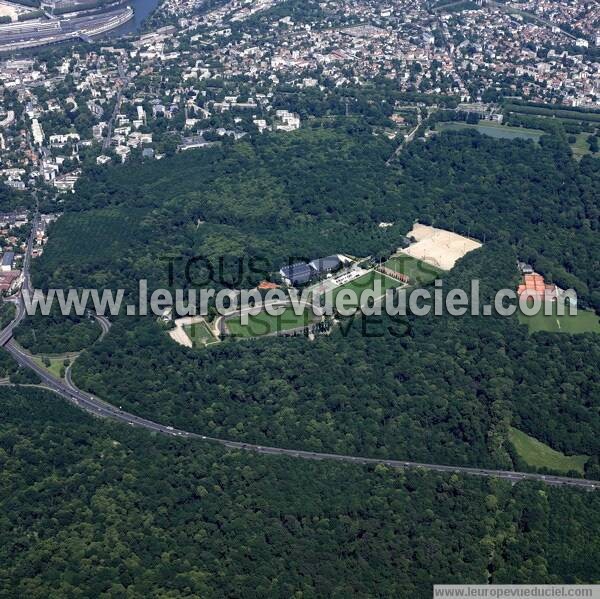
<point>8,9</point>
<point>179,333</point>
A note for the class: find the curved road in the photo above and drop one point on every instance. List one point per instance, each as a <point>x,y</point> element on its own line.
<point>98,407</point>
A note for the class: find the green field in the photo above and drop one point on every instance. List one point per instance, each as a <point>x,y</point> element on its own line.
<point>199,334</point>
<point>265,324</point>
<point>493,130</point>
<point>56,364</point>
<point>581,147</point>
<point>419,272</point>
<point>366,281</point>
<point>585,321</point>
<point>537,454</point>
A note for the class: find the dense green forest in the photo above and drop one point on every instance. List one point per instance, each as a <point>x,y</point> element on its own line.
<point>7,313</point>
<point>10,199</point>
<point>55,333</point>
<point>446,390</point>
<point>304,195</point>
<point>318,192</point>
<point>95,509</point>
<point>537,198</point>
<point>14,373</point>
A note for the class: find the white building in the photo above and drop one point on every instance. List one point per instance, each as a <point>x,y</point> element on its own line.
<point>289,121</point>
<point>61,140</point>
<point>37,132</point>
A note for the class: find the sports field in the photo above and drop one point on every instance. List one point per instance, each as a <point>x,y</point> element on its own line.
<point>266,324</point>
<point>364,283</point>
<point>538,454</point>
<point>199,333</point>
<point>419,272</point>
<point>585,321</point>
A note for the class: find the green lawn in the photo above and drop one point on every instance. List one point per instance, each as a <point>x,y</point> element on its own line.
<point>366,281</point>
<point>581,147</point>
<point>265,324</point>
<point>538,454</point>
<point>419,272</point>
<point>493,130</point>
<point>56,364</point>
<point>585,321</point>
<point>199,333</point>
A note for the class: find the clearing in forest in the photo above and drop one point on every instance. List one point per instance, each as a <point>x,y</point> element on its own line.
<point>438,247</point>
<point>192,331</point>
<point>585,321</point>
<point>539,455</point>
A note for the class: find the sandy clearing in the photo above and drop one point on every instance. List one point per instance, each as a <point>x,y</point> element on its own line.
<point>179,336</point>
<point>438,247</point>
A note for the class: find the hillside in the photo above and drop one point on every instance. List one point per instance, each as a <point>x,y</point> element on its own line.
<point>446,390</point>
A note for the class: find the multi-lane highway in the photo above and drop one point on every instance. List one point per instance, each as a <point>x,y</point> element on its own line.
<point>97,407</point>
<point>40,32</point>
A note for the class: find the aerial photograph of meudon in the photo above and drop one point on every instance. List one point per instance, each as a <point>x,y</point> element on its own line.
<point>299,299</point>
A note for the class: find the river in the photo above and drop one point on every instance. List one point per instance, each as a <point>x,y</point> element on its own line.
<point>141,9</point>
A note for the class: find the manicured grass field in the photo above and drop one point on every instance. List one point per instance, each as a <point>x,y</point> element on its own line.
<point>538,454</point>
<point>365,282</point>
<point>585,321</point>
<point>494,130</point>
<point>265,324</point>
<point>199,333</point>
<point>419,272</point>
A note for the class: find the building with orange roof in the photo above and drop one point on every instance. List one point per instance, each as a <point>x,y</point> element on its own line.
<point>534,286</point>
<point>264,285</point>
